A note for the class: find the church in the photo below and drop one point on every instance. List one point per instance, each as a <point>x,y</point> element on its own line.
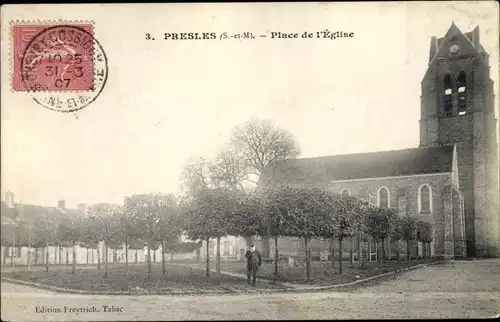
<point>452,178</point>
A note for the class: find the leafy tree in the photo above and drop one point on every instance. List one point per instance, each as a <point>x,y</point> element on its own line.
<point>380,223</point>
<point>349,217</point>
<point>70,232</point>
<point>302,209</point>
<point>261,144</point>
<point>424,235</point>
<point>409,232</point>
<point>397,236</point>
<point>147,212</point>
<point>207,216</point>
<point>106,227</point>
<point>169,227</point>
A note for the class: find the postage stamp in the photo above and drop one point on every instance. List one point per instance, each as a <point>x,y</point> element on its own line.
<point>60,64</point>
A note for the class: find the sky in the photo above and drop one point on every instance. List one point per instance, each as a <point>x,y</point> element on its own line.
<point>167,101</point>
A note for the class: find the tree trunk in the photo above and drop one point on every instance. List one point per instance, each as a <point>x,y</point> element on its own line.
<point>266,247</point>
<point>162,257</point>
<point>73,269</point>
<point>149,261</point>
<point>47,258</point>
<point>408,255</point>
<point>208,258</point>
<point>87,255</point>
<point>217,260</point>
<point>308,258</point>
<point>276,256</point>
<point>377,251</point>
<point>60,254</point>
<point>358,251</point>
<point>98,258</point>
<point>29,256</point>
<point>363,251</point>
<point>105,260</point>
<point>36,255</point>
<point>126,256</point>
<point>424,250</point>
<point>351,251</point>
<point>340,255</point>
<point>332,251</point>
<point>416,251</point>
<point>13,250</point>
<point>383,250</point>
<point>55,254</point>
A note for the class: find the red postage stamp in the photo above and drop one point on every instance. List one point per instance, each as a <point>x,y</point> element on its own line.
<point>53,57</point>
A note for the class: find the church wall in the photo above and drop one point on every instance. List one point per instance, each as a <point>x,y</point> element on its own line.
<point>408,188</point>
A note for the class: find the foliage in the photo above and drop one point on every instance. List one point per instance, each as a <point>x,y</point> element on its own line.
<point>103,225</point>
<point>245,216</point>
<point>380,222</point>
<point>424,231</point>
<point>408,228</point>
<point>207,214</point>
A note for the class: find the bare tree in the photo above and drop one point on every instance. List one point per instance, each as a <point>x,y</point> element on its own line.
<point>228,170</point>
<point>261,145</point>
<point>196,176</point>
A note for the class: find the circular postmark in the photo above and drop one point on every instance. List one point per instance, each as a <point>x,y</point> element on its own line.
<point>64,68</point>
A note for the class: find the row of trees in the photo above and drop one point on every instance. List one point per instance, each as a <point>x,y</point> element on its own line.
<point>297,211</point>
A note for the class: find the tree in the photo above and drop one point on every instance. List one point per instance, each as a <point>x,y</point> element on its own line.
<point>424,235</point>
<point>169,226</point>
<point>106,226</point>
<point>409,232</point>
<point>380,224</point>
<point>70,231</point>
<point>208,216</point>
<point>196,176</point>
<point>261,145</point>
<point>302,210</point>
<point>228,170</point>
<point>147,212</point>
<point>397,236</point>
<point>348,219</point>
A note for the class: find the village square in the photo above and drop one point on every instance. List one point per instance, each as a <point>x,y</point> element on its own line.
<point>259,232</point>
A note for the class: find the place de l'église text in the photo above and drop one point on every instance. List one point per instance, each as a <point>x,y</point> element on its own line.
<point>322,34</point>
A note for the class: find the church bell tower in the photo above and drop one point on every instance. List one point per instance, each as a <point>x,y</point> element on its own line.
<point>457,107</point>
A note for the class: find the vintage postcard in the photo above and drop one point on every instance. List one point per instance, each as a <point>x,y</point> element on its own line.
<point>250,161</point>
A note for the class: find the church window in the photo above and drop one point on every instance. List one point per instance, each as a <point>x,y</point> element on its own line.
<point>425,199</point>
<point>447,98</point>
<point>447,82</point>
<point>345,192</point>
<point>462,93</point>
<point>383,197</point>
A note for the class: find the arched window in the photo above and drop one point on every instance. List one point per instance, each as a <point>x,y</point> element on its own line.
<point>462,93</point>
<point>383,197</point>
<point>425,199</point>
<point>447,98</point>
<point>345,192</point>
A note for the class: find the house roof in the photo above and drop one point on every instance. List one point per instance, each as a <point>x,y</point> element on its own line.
<point>363,165</point>
<point>27,214</point>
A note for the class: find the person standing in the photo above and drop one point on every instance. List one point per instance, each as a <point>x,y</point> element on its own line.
<point>254,261</point>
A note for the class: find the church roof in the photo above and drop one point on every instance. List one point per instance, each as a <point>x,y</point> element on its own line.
<point>363,165</point>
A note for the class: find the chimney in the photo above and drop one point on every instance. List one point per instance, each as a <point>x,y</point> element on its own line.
<point>9,199</point>
<point>82,207</point>
<point>61,204</point>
